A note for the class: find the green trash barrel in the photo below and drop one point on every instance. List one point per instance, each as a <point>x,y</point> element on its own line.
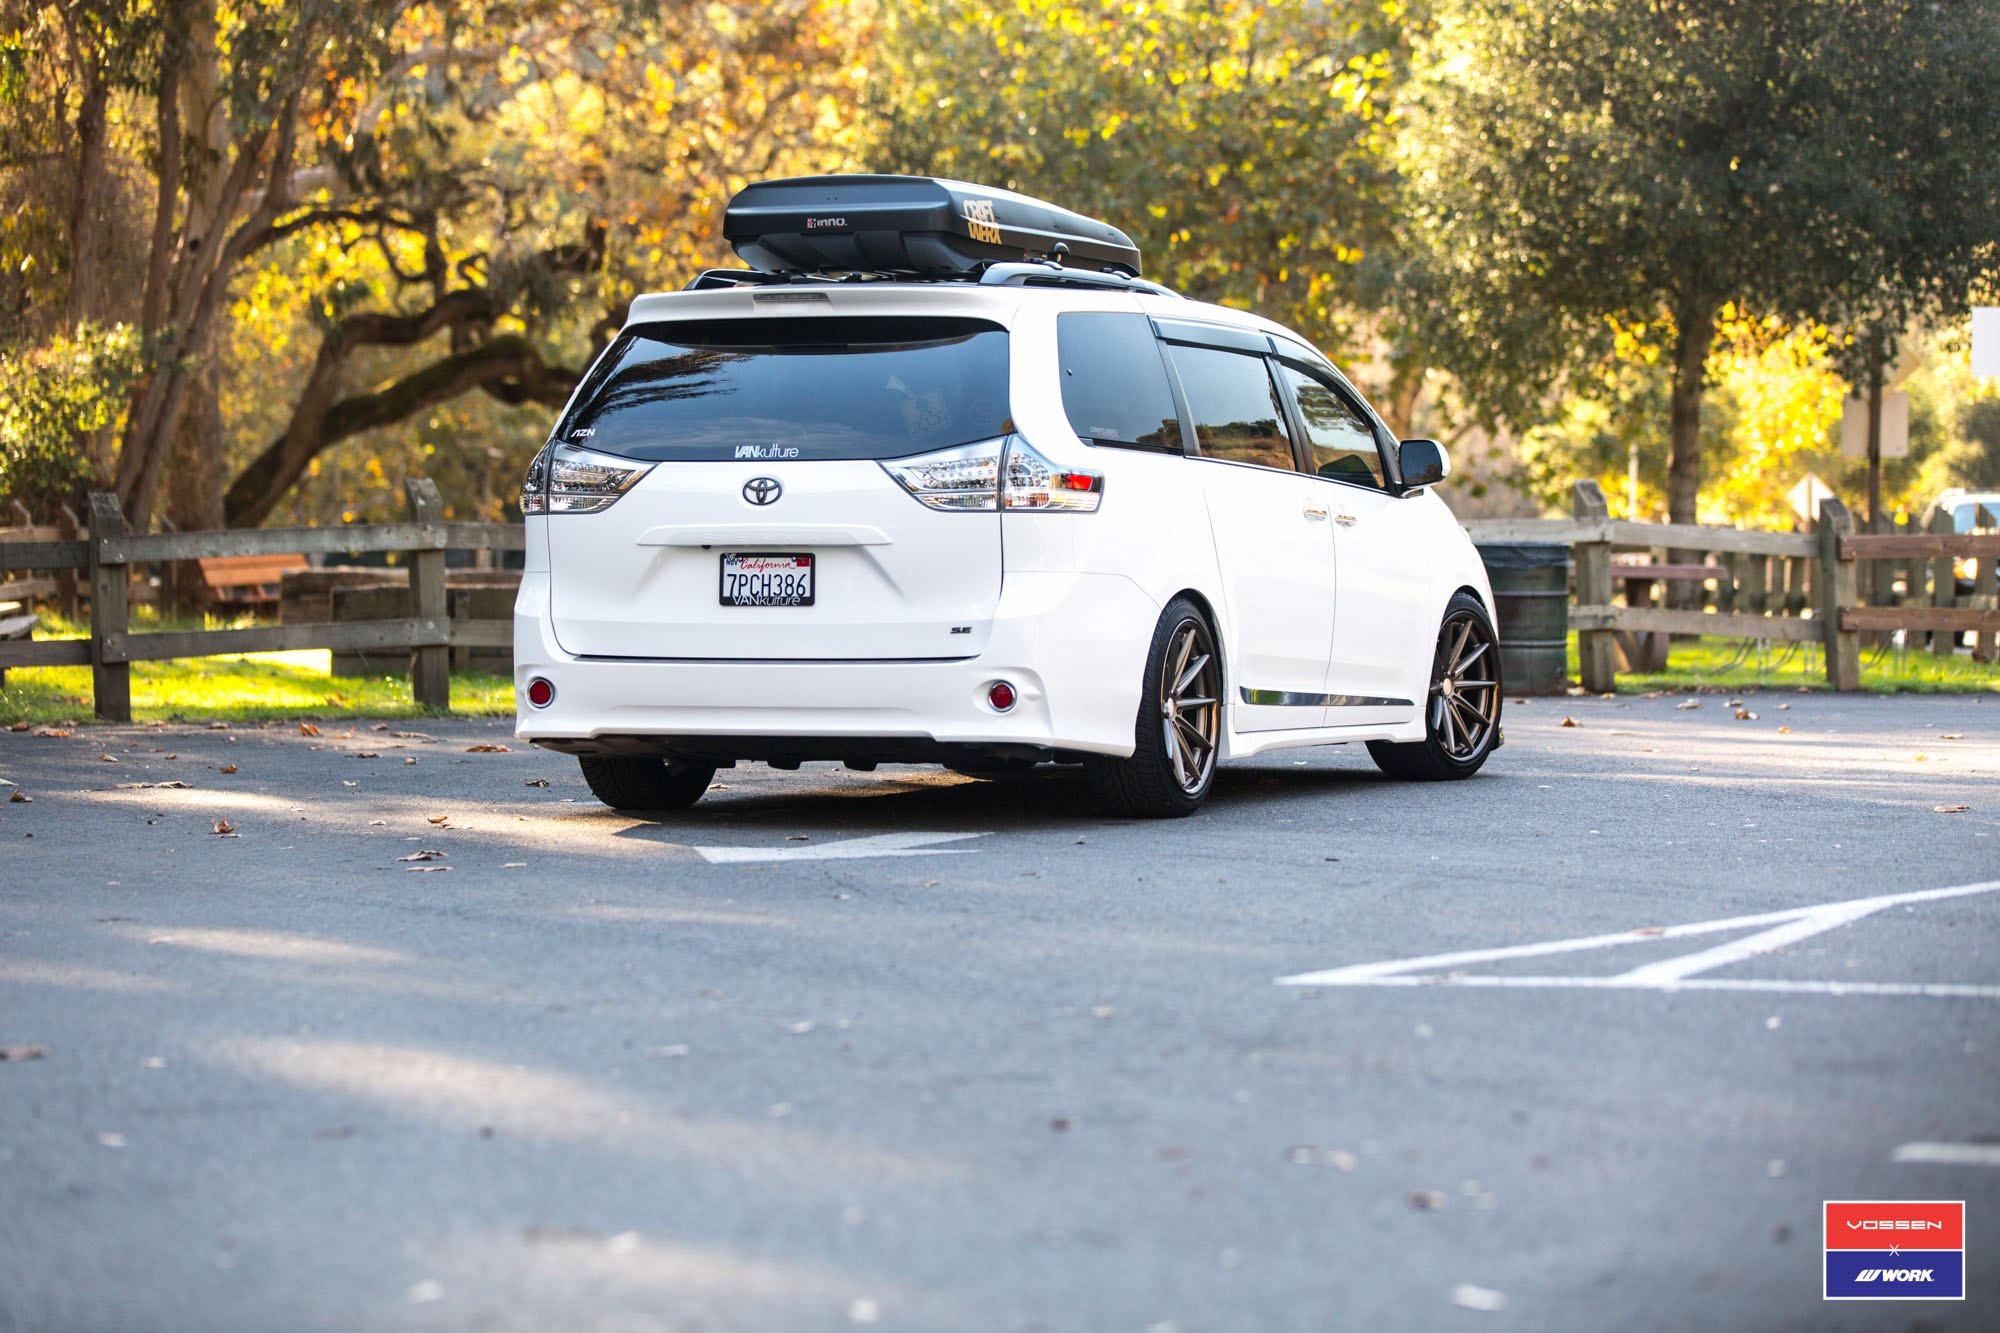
<point>1531,605</point>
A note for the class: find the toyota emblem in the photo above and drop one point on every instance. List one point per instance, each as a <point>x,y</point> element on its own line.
<point>762,490</point>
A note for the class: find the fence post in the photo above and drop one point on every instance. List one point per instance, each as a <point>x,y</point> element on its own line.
<point>110,619</point>
<point>1943,587</point>
<point>1596,650</point>
<point>1986,589</point>
<point>1838,589</point>
<point>69,528</point>
<point>430,668</point>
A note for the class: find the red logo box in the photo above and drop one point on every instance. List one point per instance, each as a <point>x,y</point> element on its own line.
<point>1906,1225</point>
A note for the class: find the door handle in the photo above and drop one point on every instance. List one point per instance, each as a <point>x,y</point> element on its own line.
<point>1316,515</point>
<point>1345,520</point>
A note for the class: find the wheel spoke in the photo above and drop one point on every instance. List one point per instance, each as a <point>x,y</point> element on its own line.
<point>1450,724</point>
<point>1458,647</point>
<point>1462,663</point>
<point>1190,705</point>
<point>1183,649</point>
<point>1475,684</point>
<point>1194,669</point>
<point>1173,747</point>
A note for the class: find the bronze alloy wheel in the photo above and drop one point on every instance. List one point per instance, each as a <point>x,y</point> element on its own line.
<point>1462,709</point>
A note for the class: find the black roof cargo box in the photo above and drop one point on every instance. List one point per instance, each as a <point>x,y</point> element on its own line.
<point>910,224</point>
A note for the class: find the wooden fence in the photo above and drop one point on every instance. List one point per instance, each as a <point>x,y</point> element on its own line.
<point>106,554</point>
<point>1813,598</point>
<point>1768,586</point>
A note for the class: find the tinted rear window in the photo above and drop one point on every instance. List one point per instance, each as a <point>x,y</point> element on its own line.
<point>837,387</point>
<point>1114,385</point>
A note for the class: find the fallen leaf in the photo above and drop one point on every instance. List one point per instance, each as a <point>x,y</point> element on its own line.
<point>415,870</point>
<point>1784,708</point>
<point>409,761</point>
<point>1949,809</point>
<point>1428,1200</point>
<point>308,729</point>
<point>1571,722</point>
<point>1784,731</point>
<point>380,726</point>
<point>53,733</point>
<point>487,749</point>
<point>1650,930</point>
<point>227,768</point>
<point>222,828</point>
<point>347,735</point>
<point>1921,758</point>
<point>173,756</point>
<point>536,782</point>
<point>1951,735</point>
<point>513,865</point>
<point>20,726</point>
<point>437,819</point>
<point>798,837</point>
<point>1735,703</point>
<point>19,797</point>
<point>1745,715</point>
<point>363,754</point>
<point>22,1052</point>
<point>218,726</point>
<point>428,854</point>
<point>107,759</point>
<point>378,823</point>
<point>1687,704</point>
<point>175,784</point>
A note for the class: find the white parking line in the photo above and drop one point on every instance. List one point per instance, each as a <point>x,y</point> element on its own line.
<point>847,849</point>
<point>1949,1154</point>
<point>1672,974</point>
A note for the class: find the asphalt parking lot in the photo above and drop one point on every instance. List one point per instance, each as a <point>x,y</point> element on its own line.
<point>1581,1044</point>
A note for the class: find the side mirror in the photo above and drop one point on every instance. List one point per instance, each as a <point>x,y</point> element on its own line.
<point>1423,463</point>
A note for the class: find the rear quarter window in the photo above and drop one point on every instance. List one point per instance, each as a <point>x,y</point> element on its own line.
<point>1114,385</point>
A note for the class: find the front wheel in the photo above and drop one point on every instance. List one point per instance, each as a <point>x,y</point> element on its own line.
<point>626,783</point>
<point>1179,726</point>
<point>1462,712</point>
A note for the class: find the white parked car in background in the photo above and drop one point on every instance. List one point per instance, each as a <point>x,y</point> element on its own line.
<point>940,479</point>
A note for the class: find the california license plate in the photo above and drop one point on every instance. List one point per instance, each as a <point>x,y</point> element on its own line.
<point>751,578</point>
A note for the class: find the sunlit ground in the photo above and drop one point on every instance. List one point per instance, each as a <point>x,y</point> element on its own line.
<point>252,687</point>
<point>1735,664</point>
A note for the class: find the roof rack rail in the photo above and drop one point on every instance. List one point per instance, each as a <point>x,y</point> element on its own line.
<point>1047,274</point>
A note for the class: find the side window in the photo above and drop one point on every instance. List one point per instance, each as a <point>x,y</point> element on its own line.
<point>1339,441</point>
<point>1114,385</point>
<point>1234,405</point>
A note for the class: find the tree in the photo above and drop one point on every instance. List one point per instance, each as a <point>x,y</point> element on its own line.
<point>446,200</point>
<point>1245,146</point>
<point>1578,166</point>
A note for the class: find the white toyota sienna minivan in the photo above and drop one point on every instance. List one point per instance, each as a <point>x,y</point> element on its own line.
<point>940,479</point>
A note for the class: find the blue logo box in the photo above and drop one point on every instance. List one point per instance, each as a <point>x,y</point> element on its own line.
<point>1935,1275</point>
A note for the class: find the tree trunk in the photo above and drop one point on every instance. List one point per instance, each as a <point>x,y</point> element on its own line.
<point>1694,330</point>
<point>86,202</point>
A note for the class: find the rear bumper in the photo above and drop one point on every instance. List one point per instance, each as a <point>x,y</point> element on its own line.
<point>1072,645</point>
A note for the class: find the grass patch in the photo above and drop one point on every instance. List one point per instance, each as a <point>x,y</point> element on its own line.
<point>243,687</point>
<point>1735,664</point>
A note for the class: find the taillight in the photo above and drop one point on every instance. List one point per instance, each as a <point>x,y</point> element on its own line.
<point>1033,482</point>
<point>564,479</point>
<point>996,474</point>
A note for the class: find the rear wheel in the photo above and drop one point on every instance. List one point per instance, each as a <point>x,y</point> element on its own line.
<point>1178,729</point>
<point>1462,712</point>
<point>626,783</point>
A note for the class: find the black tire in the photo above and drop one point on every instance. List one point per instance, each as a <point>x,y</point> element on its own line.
<point>1454,746</point>
<point>1178,731</point>
<point>625,783</point>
